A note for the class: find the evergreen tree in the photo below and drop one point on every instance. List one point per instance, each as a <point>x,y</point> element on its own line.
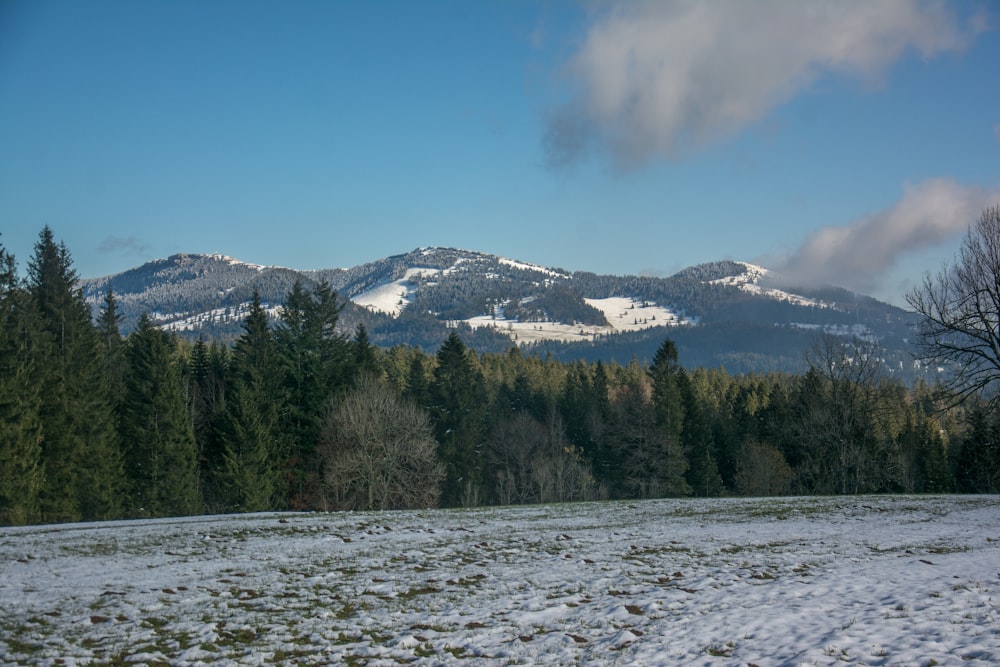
<point>364,353</point>
<point>667,376</point>
<point>978,460</point>
<point>22,473</point>
<point>206,376</point>
<point>457,403</point>
<point>252,457</point>
<point>698,444</point>
<point>113,347</point>
<point>417,386</point>
<point>79,446</point>
<point>161,455</point>
<point>315,364</point>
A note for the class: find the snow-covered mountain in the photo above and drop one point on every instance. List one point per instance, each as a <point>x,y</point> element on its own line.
<point>719,313</point>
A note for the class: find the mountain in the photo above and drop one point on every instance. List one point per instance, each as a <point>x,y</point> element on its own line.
<point>721,313</point>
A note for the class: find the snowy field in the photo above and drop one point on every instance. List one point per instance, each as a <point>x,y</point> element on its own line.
<point>808,581</point>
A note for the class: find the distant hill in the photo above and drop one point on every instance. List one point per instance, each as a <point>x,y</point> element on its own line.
<point>719,314</point>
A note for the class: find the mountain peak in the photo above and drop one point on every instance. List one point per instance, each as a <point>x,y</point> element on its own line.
<point>415,298</point>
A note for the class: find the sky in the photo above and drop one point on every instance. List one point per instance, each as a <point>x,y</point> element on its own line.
<point>845,142</point>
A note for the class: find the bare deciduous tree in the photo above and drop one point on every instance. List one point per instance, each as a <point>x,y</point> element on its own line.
<point>378,451</point>
<point>763,471</point>
<point>960,309</point>
<point>843,427</point>
<point>534,463</point>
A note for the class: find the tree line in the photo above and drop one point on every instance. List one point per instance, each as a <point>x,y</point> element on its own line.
<point>296,414</point>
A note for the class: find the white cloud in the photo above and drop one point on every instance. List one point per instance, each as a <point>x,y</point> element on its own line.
<point>859,255</point>
<point>658,78</point>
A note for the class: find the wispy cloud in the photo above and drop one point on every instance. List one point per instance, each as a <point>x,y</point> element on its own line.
<point>129,245</point>
<point>858,255</point>
<point>660,78</point>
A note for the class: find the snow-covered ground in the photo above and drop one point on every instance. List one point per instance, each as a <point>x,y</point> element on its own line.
<point>808,581</point>
<point>749,281</point>
<point>392,297</point>
<point>622,313</point>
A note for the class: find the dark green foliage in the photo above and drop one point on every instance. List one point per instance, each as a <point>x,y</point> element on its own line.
<point>457,403</point>
<point>208,427</point>
<point>80,451</point>
<point>698,442</point>
<point>249,472</point>
<point>21,467</point>
<point>977,465</point>
<point>364,354</point>
<point>315,361</point>
<point>160,452</point>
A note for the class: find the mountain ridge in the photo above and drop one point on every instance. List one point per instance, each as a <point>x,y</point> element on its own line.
<point>722,313</point>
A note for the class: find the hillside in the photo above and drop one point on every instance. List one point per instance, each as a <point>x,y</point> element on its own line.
<point>721,313</point>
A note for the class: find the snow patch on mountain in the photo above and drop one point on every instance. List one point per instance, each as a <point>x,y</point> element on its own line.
<point>749,281</point>
<point>232,261</point>
<point>531,267</point>
<point>193,322</point>
<point>393,296</point>
<point>622,313</point>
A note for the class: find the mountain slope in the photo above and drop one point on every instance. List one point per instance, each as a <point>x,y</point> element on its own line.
<point>719,313</point>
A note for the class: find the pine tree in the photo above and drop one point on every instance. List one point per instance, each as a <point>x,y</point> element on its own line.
<point>667,375</point>
<point>22,473</point>
<point>457,402</point>
<point>314,358</point>
<point>112,345</point>
<point>161,456</point>
<point>79,446</point>
<point>206,377</point>
<point>698,444</point>
<point>364,353</point>
<point>417,387</point>
<point>251,468</point>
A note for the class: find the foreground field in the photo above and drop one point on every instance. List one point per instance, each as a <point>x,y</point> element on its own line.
<point>805,581</point>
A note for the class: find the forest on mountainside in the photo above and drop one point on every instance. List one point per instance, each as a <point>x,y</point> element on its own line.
<point>297,415</point>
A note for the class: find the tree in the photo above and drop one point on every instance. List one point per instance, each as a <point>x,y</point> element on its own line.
<point>160,452</point>
<point>457,402</point>
<point>315,360</point>
<point>22,473</point>
<point>842,422</point>
<point>378,451</point>
<point>960,313</point>
<point>364,354</point>
<point>763,471</point>
<point>978,459</point>
<point>696,435</point>
<point>79,446</point>
<point>250,470</point>
<point>669,383</point>
<point>112,345</point>
<point>532,462</point>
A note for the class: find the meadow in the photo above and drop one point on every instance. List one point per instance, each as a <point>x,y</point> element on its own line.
<point>870,580</point>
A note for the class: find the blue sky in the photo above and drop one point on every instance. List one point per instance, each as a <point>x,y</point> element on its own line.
<point>846,142</point>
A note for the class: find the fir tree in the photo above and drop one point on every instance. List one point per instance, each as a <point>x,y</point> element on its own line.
<point>696,435</point>
<point>251,474</point>
<point>668,406</point>
<point>457,402</point>
<point>314,358</point>
<point>21,468</point>
<point>161,458</point>
<point>79,448</point>
<point>364,353</point>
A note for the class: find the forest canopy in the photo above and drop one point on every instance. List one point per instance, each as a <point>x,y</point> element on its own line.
<point>299,414</point>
